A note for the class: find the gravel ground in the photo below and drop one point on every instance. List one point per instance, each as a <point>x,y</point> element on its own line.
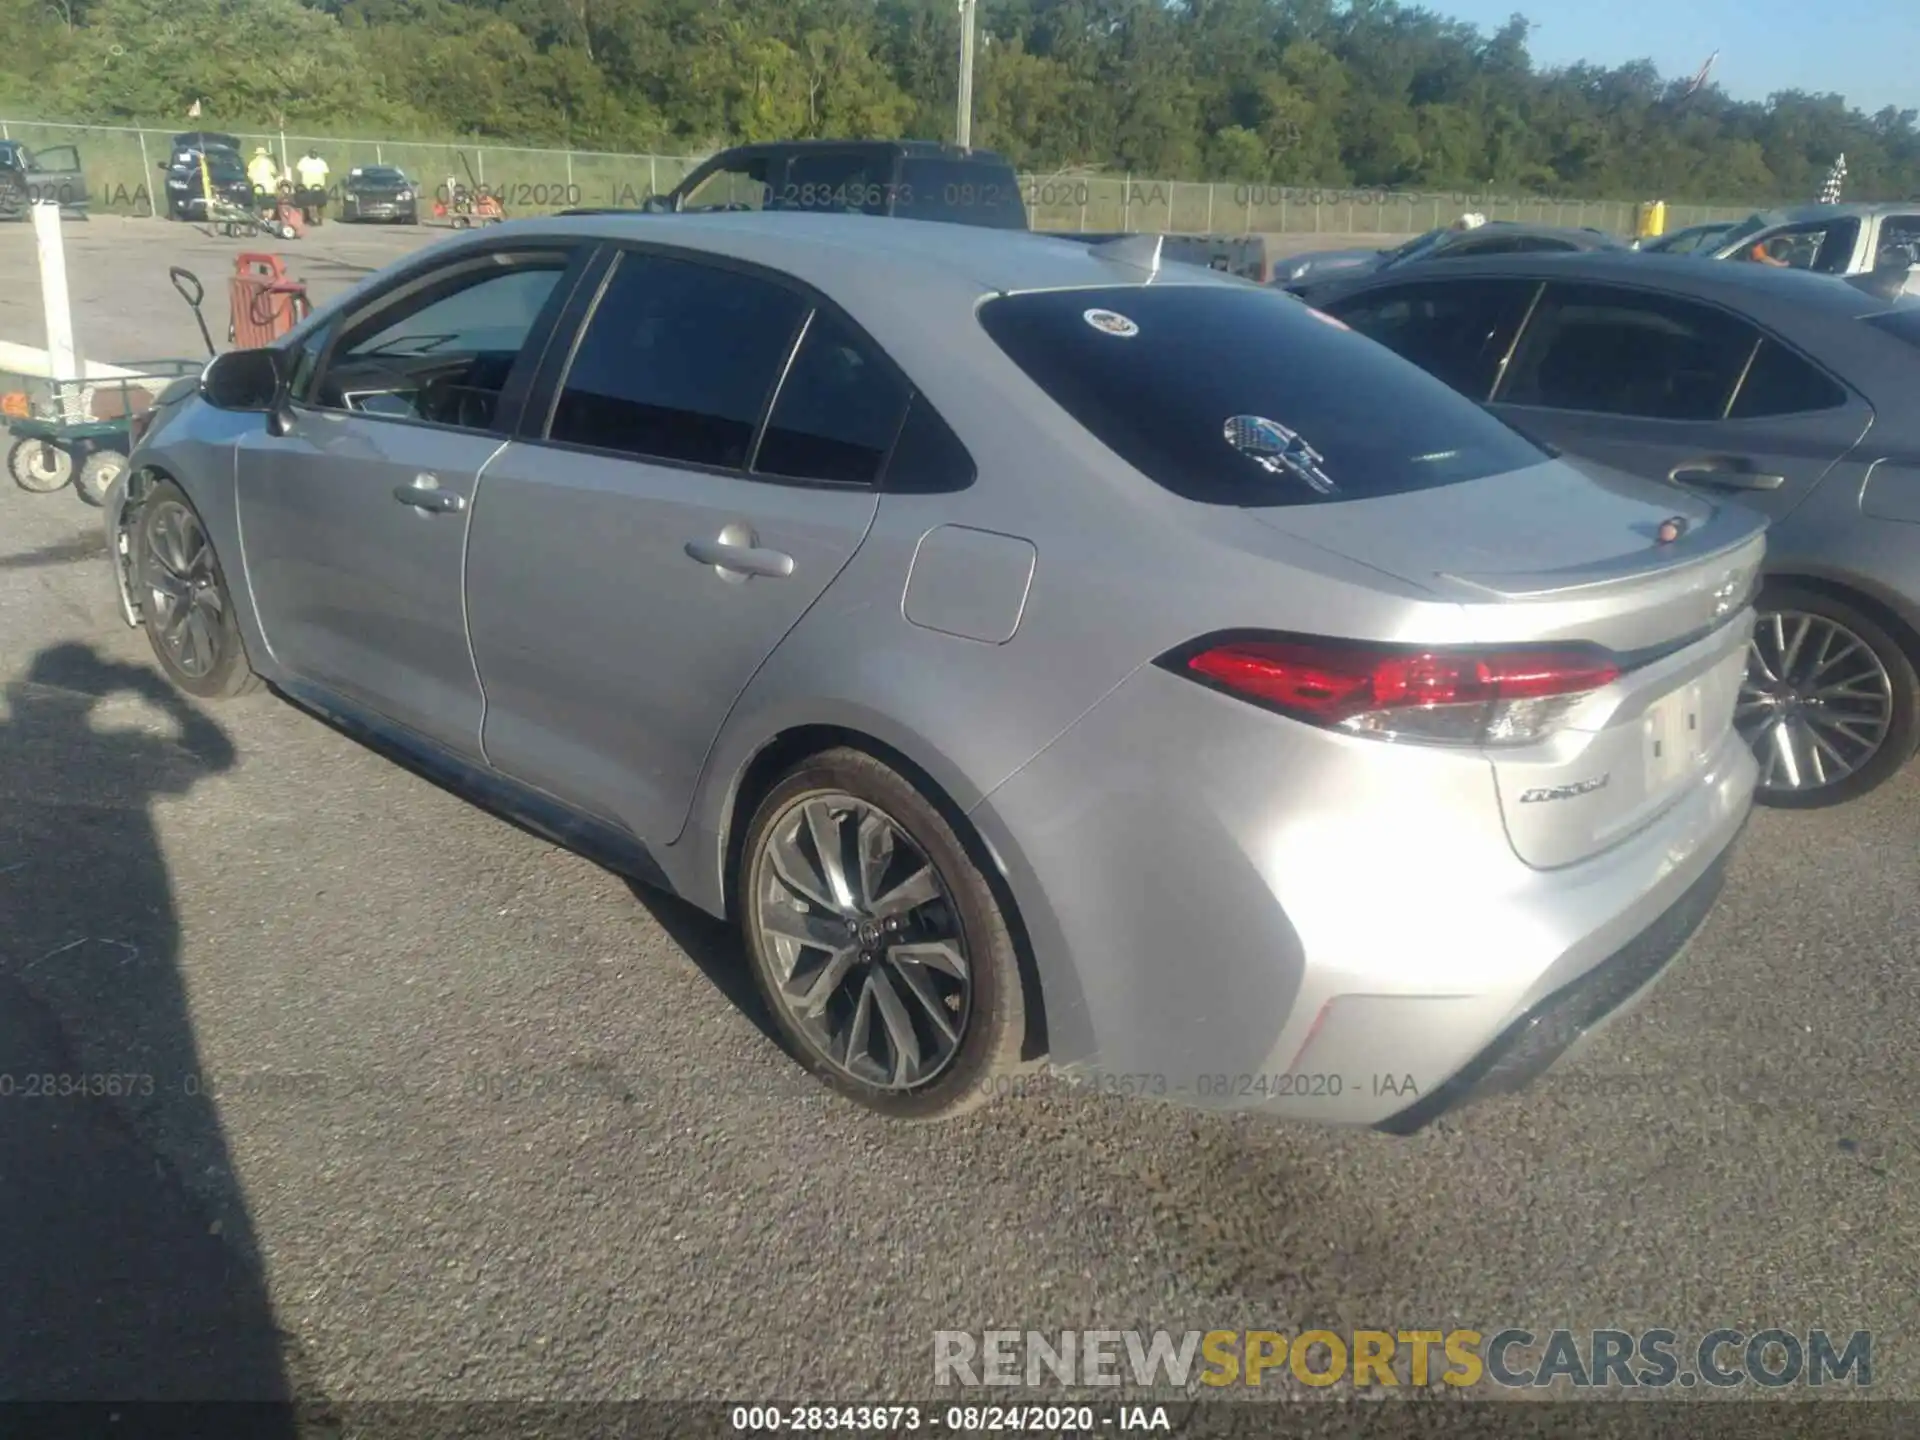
<point>416,1106</point>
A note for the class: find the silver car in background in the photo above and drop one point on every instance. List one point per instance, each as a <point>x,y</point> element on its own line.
<point>1829,239</point>
<point>1035,650</point>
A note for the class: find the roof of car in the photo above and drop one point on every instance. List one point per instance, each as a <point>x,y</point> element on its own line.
<point>1801,214</point>
<point>1729,281</point>
<point>845,254</point>
<point>1574,234</point>
<point>918,149</point>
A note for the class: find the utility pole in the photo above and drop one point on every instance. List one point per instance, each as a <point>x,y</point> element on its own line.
<point>963,119</point>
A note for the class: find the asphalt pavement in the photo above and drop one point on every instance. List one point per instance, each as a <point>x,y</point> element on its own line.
<point>349,1089</point>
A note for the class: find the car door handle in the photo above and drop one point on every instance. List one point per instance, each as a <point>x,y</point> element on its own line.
<point>738,550</point>
<point>425,494</point>
<point>1722,477</point>
<point>742,559</point>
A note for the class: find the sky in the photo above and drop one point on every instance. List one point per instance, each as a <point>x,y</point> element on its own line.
<point>1866,50</point>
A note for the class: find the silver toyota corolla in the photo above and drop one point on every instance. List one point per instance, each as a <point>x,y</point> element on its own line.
<point>1037,650</point>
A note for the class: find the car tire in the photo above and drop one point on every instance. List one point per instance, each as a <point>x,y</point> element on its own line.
<point>174,556</point>
<point>97,476</point>
<point>1865,692</point>
<point>934,962</point>
<point>39,466</point>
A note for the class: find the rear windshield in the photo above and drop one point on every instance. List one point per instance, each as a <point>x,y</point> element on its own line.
<point>963,191</point>
<point>1237,396</point>
<point>1415,245</point>
<point>1902,323</point>
<point>375,175</point>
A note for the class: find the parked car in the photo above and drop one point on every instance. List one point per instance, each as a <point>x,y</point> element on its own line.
<point>1832,239</point>
<point>712,546</point>
<point>1693,240</point>
<point>205,140</point>
<point>53,172</point>
<point>189,182</point>
<point>1791,392</point>
<point>379,192</point>
<point>1496,237</point>
<point>905,179</point>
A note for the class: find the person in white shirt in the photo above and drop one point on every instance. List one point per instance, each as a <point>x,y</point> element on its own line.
<point>313,173</point>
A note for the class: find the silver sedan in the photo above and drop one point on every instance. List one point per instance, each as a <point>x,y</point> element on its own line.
<point>1035,650</point>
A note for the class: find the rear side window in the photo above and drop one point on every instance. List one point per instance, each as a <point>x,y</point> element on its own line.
<point>928,458</point>
<point>1456,330</point>
<point>1612,351</point>
<point>1237,396</point>
<point>677,362</point>
<point>838,411</point>
<point>958,190</point>
<point>1779,382</point>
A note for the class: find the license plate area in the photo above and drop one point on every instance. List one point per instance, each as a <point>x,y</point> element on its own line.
<point>1679,732</point>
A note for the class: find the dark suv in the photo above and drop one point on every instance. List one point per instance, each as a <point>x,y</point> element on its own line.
<point>906,179</point>
<point>188,182</point>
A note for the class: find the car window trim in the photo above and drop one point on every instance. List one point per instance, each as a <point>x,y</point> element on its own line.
<point>1766,332</point>
<point>1740,380</point>
<point>537,423</point>
<point>1513,345</point>
<point>772,399</point>
<point>514,394</point>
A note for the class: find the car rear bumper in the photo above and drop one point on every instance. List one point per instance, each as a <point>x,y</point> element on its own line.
<point>1231,911</point>
<point>1553,1027</point>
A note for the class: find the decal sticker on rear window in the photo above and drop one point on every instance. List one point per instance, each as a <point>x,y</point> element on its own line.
<point>1278,450</point>
<point>1112,323</point>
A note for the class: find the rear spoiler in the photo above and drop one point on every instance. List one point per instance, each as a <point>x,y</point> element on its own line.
<point>1730,529</point>
<point>1242,255</point>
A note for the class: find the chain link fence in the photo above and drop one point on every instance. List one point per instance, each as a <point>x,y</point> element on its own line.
<point>123,176</point>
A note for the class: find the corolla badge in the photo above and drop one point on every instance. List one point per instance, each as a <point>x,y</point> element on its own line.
<point>1273,446</point>
<point>1566,792</point>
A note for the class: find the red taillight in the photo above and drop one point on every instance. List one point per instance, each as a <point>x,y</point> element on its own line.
<point>1479,696</point>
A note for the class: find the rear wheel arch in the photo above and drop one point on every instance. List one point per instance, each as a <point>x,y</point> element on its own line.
<point>1875,621</point>
<point>1904,632</point>
<point>789,748</point>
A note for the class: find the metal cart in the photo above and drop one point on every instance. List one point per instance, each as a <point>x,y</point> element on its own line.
<point>80,432</point>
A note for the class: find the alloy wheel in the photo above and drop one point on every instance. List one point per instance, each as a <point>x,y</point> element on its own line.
<point>188,611</point>
<point>864,941</point>
<point>1816,704</point>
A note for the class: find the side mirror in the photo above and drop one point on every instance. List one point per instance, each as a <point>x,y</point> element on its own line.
<point>658,205</point>
<point>245,380</point>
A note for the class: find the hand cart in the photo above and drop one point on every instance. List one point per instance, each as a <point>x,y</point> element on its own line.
<point>81,431</point>
<point>233,220</point>
<point>464,208</point>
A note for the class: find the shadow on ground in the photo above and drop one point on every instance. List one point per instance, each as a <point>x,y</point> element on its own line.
<point>122,1281</point>
<point>715,947</point>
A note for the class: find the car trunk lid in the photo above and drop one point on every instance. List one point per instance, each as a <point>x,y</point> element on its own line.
<point>1660,578</point>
